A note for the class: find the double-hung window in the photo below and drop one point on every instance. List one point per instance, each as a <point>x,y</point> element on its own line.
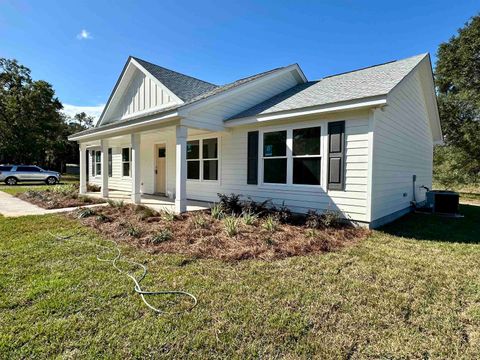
<point>275,157</point>
<point>98,163</point>
<point>306,156</point>
<point>125,161</point>
<point>202,159</point>
<point>110,165</point>
<point>292,156</point>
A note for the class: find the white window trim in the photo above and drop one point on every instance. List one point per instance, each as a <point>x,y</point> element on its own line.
<point>201,159</point>
<point>289,185</point>
<point>123,162</point>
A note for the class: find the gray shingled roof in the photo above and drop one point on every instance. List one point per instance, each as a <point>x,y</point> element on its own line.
<point>184,86</point>
<point>363,83</point>
<point>234,84</point>
<point>172,80</point>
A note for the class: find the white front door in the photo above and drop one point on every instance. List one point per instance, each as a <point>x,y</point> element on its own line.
<point>160,156</point>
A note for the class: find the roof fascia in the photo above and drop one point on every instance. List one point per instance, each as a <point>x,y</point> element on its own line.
<point>137,126</point>
<point>376,101</point>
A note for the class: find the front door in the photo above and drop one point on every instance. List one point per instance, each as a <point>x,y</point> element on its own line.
<point>160,169</point>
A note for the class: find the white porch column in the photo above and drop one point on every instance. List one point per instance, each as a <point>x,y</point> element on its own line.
<point>83,168</point>
<point>104,145</point>
<point>135,168</point>
<point>181,169</point>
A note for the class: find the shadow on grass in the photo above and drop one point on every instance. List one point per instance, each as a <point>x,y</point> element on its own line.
<point>438,228</point>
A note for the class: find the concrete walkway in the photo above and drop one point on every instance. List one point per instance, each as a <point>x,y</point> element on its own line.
<point>11,206</point>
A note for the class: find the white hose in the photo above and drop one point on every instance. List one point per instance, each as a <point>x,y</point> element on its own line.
<point>136,280</point>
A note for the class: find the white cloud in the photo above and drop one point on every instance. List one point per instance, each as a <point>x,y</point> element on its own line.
<point>84,35</point>
<point>94,111</point>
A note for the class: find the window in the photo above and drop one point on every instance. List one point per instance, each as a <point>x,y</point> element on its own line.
<point>306,156</point>
<point>98,163</point>
<point>210,159</point>
<point>125,161</point>
<point>110,164</point>
<point>193,160</point>
<point>202,164</point>
<point>28,169</point>
<point>275,157</point>
<point>292,156</point>
<point>5,168</point>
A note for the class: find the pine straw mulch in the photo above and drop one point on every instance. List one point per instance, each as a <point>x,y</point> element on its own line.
<point>199,235</point>
<point>59,197</point>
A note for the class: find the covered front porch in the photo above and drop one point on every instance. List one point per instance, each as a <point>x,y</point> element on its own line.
<point>149,166</point>
<point>155,202</point>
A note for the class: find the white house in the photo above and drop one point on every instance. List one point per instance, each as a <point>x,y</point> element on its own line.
<point>350,142</point>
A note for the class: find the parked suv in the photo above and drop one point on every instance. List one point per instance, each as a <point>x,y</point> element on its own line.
<point>12,174</point>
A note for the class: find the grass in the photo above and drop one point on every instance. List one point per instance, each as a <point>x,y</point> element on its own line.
<point>25,186</point>
<point>411,290</point>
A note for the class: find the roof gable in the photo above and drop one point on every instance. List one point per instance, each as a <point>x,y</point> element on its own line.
<point>183,86</point>
<point>363,83</point>
<point>143,86</point>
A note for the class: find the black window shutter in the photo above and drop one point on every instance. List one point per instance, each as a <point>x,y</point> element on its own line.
<point>252,167</point>
<point>336,155</point>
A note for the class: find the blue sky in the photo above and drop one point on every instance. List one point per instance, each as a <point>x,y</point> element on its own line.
<point>81,46</point>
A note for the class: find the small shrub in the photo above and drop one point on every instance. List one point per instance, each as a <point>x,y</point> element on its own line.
<point>249,218</point>
<point>132,231</point>
<point>162,236</point>
<point>257,208</point>
<point>311,233</point>
<point>93,188</point>
<point>270,224</point>
<point>231,225</point>
<point>230,204</point>
<point>144,212</point>
<point>102,218</point>
<point>168,215</point>
<point>216,212</point>
<point>331,218</point>
<point>282,214</point>
<point>116,203</point>
<point>199,221</point>
<point>313,219</point>
<point>86,212</point>
<point>269,241</point>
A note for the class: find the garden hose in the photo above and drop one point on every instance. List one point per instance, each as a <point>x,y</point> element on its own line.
<point>136,280</point>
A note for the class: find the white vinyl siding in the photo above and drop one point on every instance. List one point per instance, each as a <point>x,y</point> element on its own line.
<point>233,174</point>
<point>142,93</point>
<point>244,98</point>
<point>403,147</point>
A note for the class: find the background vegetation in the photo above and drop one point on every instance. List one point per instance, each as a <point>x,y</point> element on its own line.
<point>33,130</point>
<point>457,76</point>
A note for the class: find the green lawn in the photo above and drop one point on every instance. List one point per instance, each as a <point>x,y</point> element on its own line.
<point>23,187</point>
<point>389,297</point>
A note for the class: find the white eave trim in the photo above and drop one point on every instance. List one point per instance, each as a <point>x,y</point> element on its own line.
<point>336,107</point>
<point>122,128</point>
<point>186,109</point>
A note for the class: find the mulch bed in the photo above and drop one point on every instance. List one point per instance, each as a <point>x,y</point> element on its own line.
<point>59,197</point>
<point>199,235</point>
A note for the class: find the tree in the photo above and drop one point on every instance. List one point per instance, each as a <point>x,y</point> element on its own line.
<point>32,127</point>
<point>457,76</point>
<point>30,115</point>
